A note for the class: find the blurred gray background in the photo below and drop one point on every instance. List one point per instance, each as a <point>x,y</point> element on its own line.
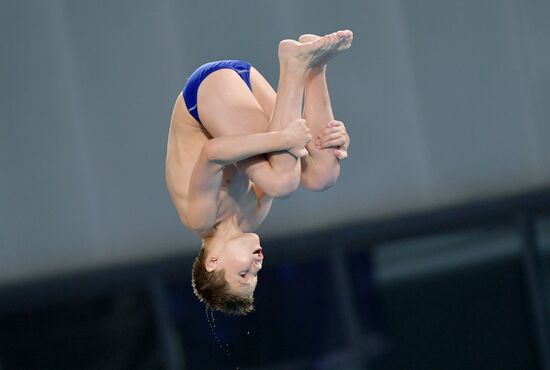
<point>445,102</point>
<point>431,252</point>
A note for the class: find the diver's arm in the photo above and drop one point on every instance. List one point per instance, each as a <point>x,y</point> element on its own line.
<point>206,177</point>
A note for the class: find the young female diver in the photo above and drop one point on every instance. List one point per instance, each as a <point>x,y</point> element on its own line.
<point>235,144</point>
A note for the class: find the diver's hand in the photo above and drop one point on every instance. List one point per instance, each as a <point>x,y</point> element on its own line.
<point>334,136</point>
<point>298,135</point>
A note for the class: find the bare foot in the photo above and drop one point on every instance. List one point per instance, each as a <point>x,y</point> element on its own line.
<point>316,52</point>
<point>345,42</point>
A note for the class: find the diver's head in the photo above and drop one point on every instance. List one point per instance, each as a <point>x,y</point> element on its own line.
<point>225,272</point>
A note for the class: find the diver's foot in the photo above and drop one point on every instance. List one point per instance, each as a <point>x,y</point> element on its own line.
<point>346,37</point>
<point>314,53</point>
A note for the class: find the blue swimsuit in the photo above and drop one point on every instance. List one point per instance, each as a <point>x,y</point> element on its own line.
<point>191,88</point>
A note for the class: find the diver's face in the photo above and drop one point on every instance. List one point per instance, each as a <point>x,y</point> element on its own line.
<point>241,258</point>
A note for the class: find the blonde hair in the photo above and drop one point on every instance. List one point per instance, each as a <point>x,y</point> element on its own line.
<point>212,289</point>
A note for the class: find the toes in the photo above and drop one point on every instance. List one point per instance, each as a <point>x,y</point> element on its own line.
<point>331,37</point>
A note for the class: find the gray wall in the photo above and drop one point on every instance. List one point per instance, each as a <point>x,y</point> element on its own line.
<point>445,102</point>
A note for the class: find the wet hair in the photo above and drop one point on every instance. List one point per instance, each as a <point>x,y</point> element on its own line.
<point>212,289</point>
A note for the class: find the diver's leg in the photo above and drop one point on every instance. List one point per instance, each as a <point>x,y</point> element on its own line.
<point>321,168</point>
<point>226,106</point>
<point>317,106</point>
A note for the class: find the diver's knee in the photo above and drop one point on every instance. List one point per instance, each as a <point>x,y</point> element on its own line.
<point>284,187</point>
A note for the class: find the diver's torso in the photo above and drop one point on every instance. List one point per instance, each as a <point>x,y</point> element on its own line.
<point>185,142</point>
